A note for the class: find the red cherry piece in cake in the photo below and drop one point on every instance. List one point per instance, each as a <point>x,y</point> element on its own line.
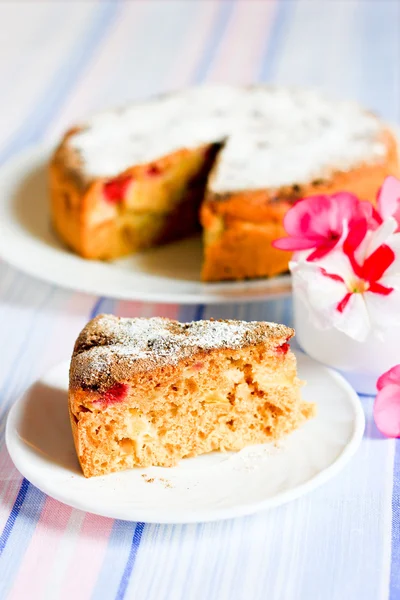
<point>283,348</point>
<point>116,393</point>
<point>115,189</point>
<point>198,366</point>
<point>153,170</point>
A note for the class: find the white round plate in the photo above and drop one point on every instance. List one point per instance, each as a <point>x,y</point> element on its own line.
<point>206,488</point>
<point>166,274</point>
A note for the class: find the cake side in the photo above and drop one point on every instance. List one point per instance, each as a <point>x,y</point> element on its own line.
<point>146,205</point>
<point>157,399</point>
<point>239,227</point>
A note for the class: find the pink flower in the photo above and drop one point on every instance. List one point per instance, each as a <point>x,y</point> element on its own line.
<point>387,403</point>
<point>355,288</point>
<point>319,223</point>
<point>389,199</point>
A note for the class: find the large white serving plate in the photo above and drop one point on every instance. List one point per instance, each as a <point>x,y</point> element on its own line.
<point>166,274</point>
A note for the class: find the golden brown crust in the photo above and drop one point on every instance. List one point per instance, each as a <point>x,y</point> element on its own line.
<point>111,349</point>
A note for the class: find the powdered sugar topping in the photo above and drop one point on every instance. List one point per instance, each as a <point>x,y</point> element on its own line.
<point>111,348</point>
<point>273,136</point>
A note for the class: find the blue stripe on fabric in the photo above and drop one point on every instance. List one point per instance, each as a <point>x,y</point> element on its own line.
<point>395,560</point>
<point>276,39</point>
<point>215,37</point>
<point>14,514</point>
<point>137,536</point>
<point>96,308</point>
<point>119,551</point>
<point>199,312</point>
<point>63,80</point>
<point>107,306</point>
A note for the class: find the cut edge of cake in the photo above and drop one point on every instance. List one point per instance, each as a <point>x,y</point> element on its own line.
<point>237,227</point>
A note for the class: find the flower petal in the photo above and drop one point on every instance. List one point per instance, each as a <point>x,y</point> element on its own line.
<point>391,376</point>
<point>337,262</point>
<point>354,238</point>
<point>308,217</point>
<point>377,263</point>
<point>293,243</point>
<point>382,235</point>
<point>370,213</point>
<point>383,311</point>
<point>387,410</point>
<point>389,197</point>
<point>344,302</point>
<point>320,294</point>
<point>393,242</point>
<point>321,251</point>
<point>344,207</point>
<point>318,222</point>
<point>354,321</point>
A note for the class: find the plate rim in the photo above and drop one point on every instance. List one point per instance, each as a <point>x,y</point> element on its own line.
<point>207,515</point>
<point>255,290</point>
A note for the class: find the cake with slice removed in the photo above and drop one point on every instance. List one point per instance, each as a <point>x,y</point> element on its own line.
<point>130,179</point>
<point>153,391</point>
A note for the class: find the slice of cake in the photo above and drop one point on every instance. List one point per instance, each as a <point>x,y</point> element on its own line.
<point>152,391</point>
<point>134,178</point>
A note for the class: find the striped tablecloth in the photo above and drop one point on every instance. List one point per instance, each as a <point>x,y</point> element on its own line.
<point>60,60</point>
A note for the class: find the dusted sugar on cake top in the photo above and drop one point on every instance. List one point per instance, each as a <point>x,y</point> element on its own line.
<point>153,391</point>
<point>272,136</point>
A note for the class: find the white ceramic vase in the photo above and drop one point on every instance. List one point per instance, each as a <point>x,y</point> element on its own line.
<point>361,363</point>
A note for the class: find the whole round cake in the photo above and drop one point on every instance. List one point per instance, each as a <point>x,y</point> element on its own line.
<point>230,160</point>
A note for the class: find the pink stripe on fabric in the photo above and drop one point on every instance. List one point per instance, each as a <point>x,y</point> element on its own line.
<point>10,492</point>
<point>193,42</point>
<point>238,58</point>
<point>170,311</point>
<point>6,466</point>
<point>8,495</point>
<point>82,99</point>
<point>129,309</point>
<point>91,546</point>
<point>66,330</point>
<point>42,550</point>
